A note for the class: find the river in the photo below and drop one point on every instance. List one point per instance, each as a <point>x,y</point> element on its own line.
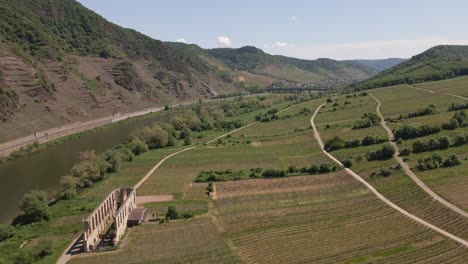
<point>42,170</point>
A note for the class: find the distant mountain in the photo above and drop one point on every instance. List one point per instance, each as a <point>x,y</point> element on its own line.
<point>61,62</point>
<point>382,64</point>
<point>255,61</point>
<point>437,63</point>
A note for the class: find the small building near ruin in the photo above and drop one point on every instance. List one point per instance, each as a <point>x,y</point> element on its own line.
<point>108,222</point>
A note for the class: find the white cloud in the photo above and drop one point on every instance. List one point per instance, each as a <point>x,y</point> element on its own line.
<point>182,40</point>
<point>293,19</point>
<point>223,41</point>
<point>379,49</point>
<point>280,44</point>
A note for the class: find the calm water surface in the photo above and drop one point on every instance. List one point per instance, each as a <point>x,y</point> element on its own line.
<point>42,170</point>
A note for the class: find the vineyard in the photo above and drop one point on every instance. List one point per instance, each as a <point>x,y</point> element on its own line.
<point>453,86</point>
<point>324,218</point>
<point>338,222</point>
<point>194,241</point>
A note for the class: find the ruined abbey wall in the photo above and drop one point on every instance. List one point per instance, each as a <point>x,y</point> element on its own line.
<point>114,210</point>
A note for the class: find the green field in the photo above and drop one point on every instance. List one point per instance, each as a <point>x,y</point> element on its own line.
<point>328,218</point>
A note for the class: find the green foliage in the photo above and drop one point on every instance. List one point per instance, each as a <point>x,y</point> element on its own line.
<point>137,146</point>
<point>172,213</point>
<point>9,101</point>
<point>334,144</point>
<point>430,110</point>
<point>458,106</point>
<point>386,152</point>
<point>438,161</point>
<point>437,63</point>
<point>128,77</point>
<point>34,207</point>
<point>337,143</point>
<point>6,231</point>
<point>409,132</point>
<point>367,120</point>
<point>260,173</point>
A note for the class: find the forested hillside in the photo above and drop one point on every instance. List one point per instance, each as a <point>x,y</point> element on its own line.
<point>437,63</point>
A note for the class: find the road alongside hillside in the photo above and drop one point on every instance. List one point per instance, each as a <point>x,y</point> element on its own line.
<point>407,169</point>
<point>70,129</point>
<point>379,195</point>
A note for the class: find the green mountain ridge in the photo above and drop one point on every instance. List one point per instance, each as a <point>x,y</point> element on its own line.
<point>437,63</point>
<point>62,63</point>
<point>382,64</point>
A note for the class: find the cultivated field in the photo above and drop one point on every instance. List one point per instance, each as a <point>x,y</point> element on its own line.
<point>455,86</point>
<point>337,220</point>
<point>195,241</point>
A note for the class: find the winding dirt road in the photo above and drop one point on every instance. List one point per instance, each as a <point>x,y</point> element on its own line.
<point>407,169</point>
<point>379,195</point>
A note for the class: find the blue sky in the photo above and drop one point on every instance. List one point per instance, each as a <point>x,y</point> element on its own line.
<point>311,29</point>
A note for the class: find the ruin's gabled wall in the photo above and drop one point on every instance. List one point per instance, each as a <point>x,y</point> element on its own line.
<point>114,210</point>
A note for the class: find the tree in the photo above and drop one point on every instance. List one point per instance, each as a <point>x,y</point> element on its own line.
<point>334,144</point>
<point>172,213</point>
<point>387,151</point>
<point>178,122</point>
<point>188,141</point>
<point>444,142</point>
<point>347,163</point>
<point>137,146</point>
<point>186,132</point>
<point>69,185</point>
<point>34,207</point>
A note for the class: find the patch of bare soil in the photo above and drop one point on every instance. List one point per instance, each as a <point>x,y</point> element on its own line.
<point>141,200</point>
<point>290,184</point>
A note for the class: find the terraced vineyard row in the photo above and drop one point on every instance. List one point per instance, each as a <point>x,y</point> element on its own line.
<point>340,221</point>
<point>188,242</point>
<point>405,193</point>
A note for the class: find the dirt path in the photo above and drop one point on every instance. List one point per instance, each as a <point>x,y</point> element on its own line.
<point>433,92</point>
<point>407,169</point>
<point>379,195</point>
<point>64,258</point>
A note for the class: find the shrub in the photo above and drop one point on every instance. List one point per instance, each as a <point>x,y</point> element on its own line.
<point>137,146</point>
<point>34,207</point>
<point>409,132</point>
<point>452,125</point>
<point>430,110</point>
<point>6,231</point>
<point>367,120</point>
<point>347,163</point>
<point>405,152</point>
<point>334,144</point>
<point>387,151</point>
<point>458,106</point>
<point>353,143</point>
<point>270,173</point>
<point>437,161</point>
<point>372,140</point>
<point>172,213</point>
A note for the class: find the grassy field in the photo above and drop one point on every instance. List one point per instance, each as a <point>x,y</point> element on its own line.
<point>457,86</point>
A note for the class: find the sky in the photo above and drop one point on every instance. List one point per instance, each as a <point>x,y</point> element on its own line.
<point>308,29</point>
